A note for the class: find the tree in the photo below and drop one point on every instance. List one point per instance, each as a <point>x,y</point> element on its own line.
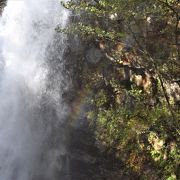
<point>135,104</point>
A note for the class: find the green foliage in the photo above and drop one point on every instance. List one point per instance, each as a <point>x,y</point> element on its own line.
<point>88,30</point>
<point>142,130</point>
<point>138,124</point>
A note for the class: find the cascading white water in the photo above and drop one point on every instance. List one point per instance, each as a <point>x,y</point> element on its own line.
<point>30,110</point>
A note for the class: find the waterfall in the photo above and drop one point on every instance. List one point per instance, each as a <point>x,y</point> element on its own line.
<point>32,137</point>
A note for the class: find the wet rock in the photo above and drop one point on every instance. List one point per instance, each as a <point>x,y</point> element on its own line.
<point>94,55</point>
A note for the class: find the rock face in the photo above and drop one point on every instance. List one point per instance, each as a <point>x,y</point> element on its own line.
<point>85,160</point>
<point>94,55</point>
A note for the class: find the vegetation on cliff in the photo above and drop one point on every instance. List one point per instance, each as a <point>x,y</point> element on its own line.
<point>136,94</point>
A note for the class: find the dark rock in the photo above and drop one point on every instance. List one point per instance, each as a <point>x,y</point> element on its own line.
<point>94,55</point>
<point>2,5</point>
